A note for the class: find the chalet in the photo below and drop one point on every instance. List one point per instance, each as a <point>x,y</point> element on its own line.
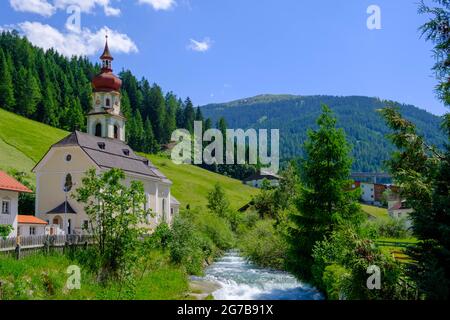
<point>256,180</point>
<point>103,147</point>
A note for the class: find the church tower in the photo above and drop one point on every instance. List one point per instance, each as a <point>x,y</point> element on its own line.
<point>105,118</point>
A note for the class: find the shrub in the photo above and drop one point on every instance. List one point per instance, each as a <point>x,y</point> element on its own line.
<point>336,280</point>
<point>264,245</point>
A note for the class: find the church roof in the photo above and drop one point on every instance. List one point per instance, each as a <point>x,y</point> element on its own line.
<point>112,153</point>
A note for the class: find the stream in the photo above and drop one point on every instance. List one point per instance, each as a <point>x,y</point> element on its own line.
<point>242,280</point>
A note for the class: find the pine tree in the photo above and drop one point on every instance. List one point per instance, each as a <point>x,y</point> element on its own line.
<point>7,100</point>
<point>28,93</point>
<point>188,115</point>
<point>157,113</point>
<point>324,202</point>
<point>198,114</point>
<point>171,114</point>
<point>150,143</point>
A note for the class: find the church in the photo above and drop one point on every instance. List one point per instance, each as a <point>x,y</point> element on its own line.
<point>59,173</point>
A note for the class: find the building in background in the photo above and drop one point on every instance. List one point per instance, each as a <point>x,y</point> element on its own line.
<point>256,180</point>
<point>10,189</point>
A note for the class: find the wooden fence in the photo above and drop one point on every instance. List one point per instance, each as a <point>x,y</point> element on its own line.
<point>21,245</point>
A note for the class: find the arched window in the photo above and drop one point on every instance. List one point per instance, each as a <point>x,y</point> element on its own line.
<point>108,102</point>
<point>116,132</point>
<point>98,130</point>
<point>68,184</point>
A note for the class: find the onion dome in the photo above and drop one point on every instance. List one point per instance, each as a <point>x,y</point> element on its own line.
<point>106,80</point>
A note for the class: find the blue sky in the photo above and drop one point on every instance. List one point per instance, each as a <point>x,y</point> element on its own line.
<point>221,50</point>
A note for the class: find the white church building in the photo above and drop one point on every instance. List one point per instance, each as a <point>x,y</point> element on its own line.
<point>60,171</point>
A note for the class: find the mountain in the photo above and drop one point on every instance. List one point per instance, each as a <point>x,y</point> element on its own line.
<point>294,115</point>
<point>23,142</point>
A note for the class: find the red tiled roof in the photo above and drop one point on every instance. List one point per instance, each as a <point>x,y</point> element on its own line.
<point>30,220</point>
<point>9,183</point>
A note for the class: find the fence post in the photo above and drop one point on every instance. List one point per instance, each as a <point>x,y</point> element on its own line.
<point>18,251</point>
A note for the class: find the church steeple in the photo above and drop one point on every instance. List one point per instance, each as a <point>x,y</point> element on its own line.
<point>106,58</point>
<point>106,119</point>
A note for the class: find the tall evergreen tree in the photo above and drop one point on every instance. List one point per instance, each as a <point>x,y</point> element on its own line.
<point>28,93</point>
<point>188,115</point>
<point>158,113</point>
<point>150,144</point>
<point>7,100</point>
<point>171,115</point>
<point>324,202</point>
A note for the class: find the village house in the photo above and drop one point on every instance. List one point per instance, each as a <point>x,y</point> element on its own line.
<point>103,147</point>
<point>256,180</point>
<point>22,225</point>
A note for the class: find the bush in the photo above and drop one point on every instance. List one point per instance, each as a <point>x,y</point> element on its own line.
<point>336,280</point>
<point>264,245</point>
<point>386,228</point>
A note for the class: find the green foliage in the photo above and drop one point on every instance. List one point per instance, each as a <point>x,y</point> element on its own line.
<point>340,268</point>
<point>423,173</point>
<point>7,99</point>
<point>264,245</point>
<point>5,230</point>
<point>197,237</point>
<point>218,202</point>
<point>115,212</point>
<point>43,277</point>
<point>437,30</point>
<point>324,201</point>
<point>387,228</point>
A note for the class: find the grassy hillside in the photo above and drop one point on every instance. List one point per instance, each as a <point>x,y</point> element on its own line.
<point>23,143</point>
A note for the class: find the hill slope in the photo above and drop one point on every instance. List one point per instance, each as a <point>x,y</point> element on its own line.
<point>24,142</point>
<point>293,115</point>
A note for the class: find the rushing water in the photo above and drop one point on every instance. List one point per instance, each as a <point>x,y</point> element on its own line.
<point>242,280</point>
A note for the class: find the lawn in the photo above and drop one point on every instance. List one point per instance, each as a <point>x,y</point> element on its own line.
<point>375,212</point>
<point>44,277</point>
<point>31,138</point>
<point>192,184</point>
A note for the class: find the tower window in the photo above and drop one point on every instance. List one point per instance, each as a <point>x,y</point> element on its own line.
<point>98,130</point>
<point>116,132</point>
<point>108,102</point>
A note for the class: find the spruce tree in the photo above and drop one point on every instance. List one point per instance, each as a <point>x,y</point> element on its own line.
<point>150,143</point>
<point>7,100</point>
<point>188,115</point>
<point>28,93</point>
<point>324,201</point>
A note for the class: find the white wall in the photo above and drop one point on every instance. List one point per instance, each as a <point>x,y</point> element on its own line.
<point>368,192</point>
<point>24,230</point>
<point>11,218</point>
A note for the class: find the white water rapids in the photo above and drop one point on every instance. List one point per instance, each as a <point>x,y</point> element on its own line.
<point>242,280</point>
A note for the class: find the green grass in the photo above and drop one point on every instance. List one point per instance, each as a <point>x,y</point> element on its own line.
<point>375,212</point>
<point>25,142</point>
<point>31,138</point>
<point>44,277</point>
<point>192,184</point>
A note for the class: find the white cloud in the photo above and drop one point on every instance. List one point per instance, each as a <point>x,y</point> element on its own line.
<point>45,8</point>
<point>86,42</point>
<point>41,7</point>
<point>159,4</point>
<point>88,6</point>
<point>200,46</point>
